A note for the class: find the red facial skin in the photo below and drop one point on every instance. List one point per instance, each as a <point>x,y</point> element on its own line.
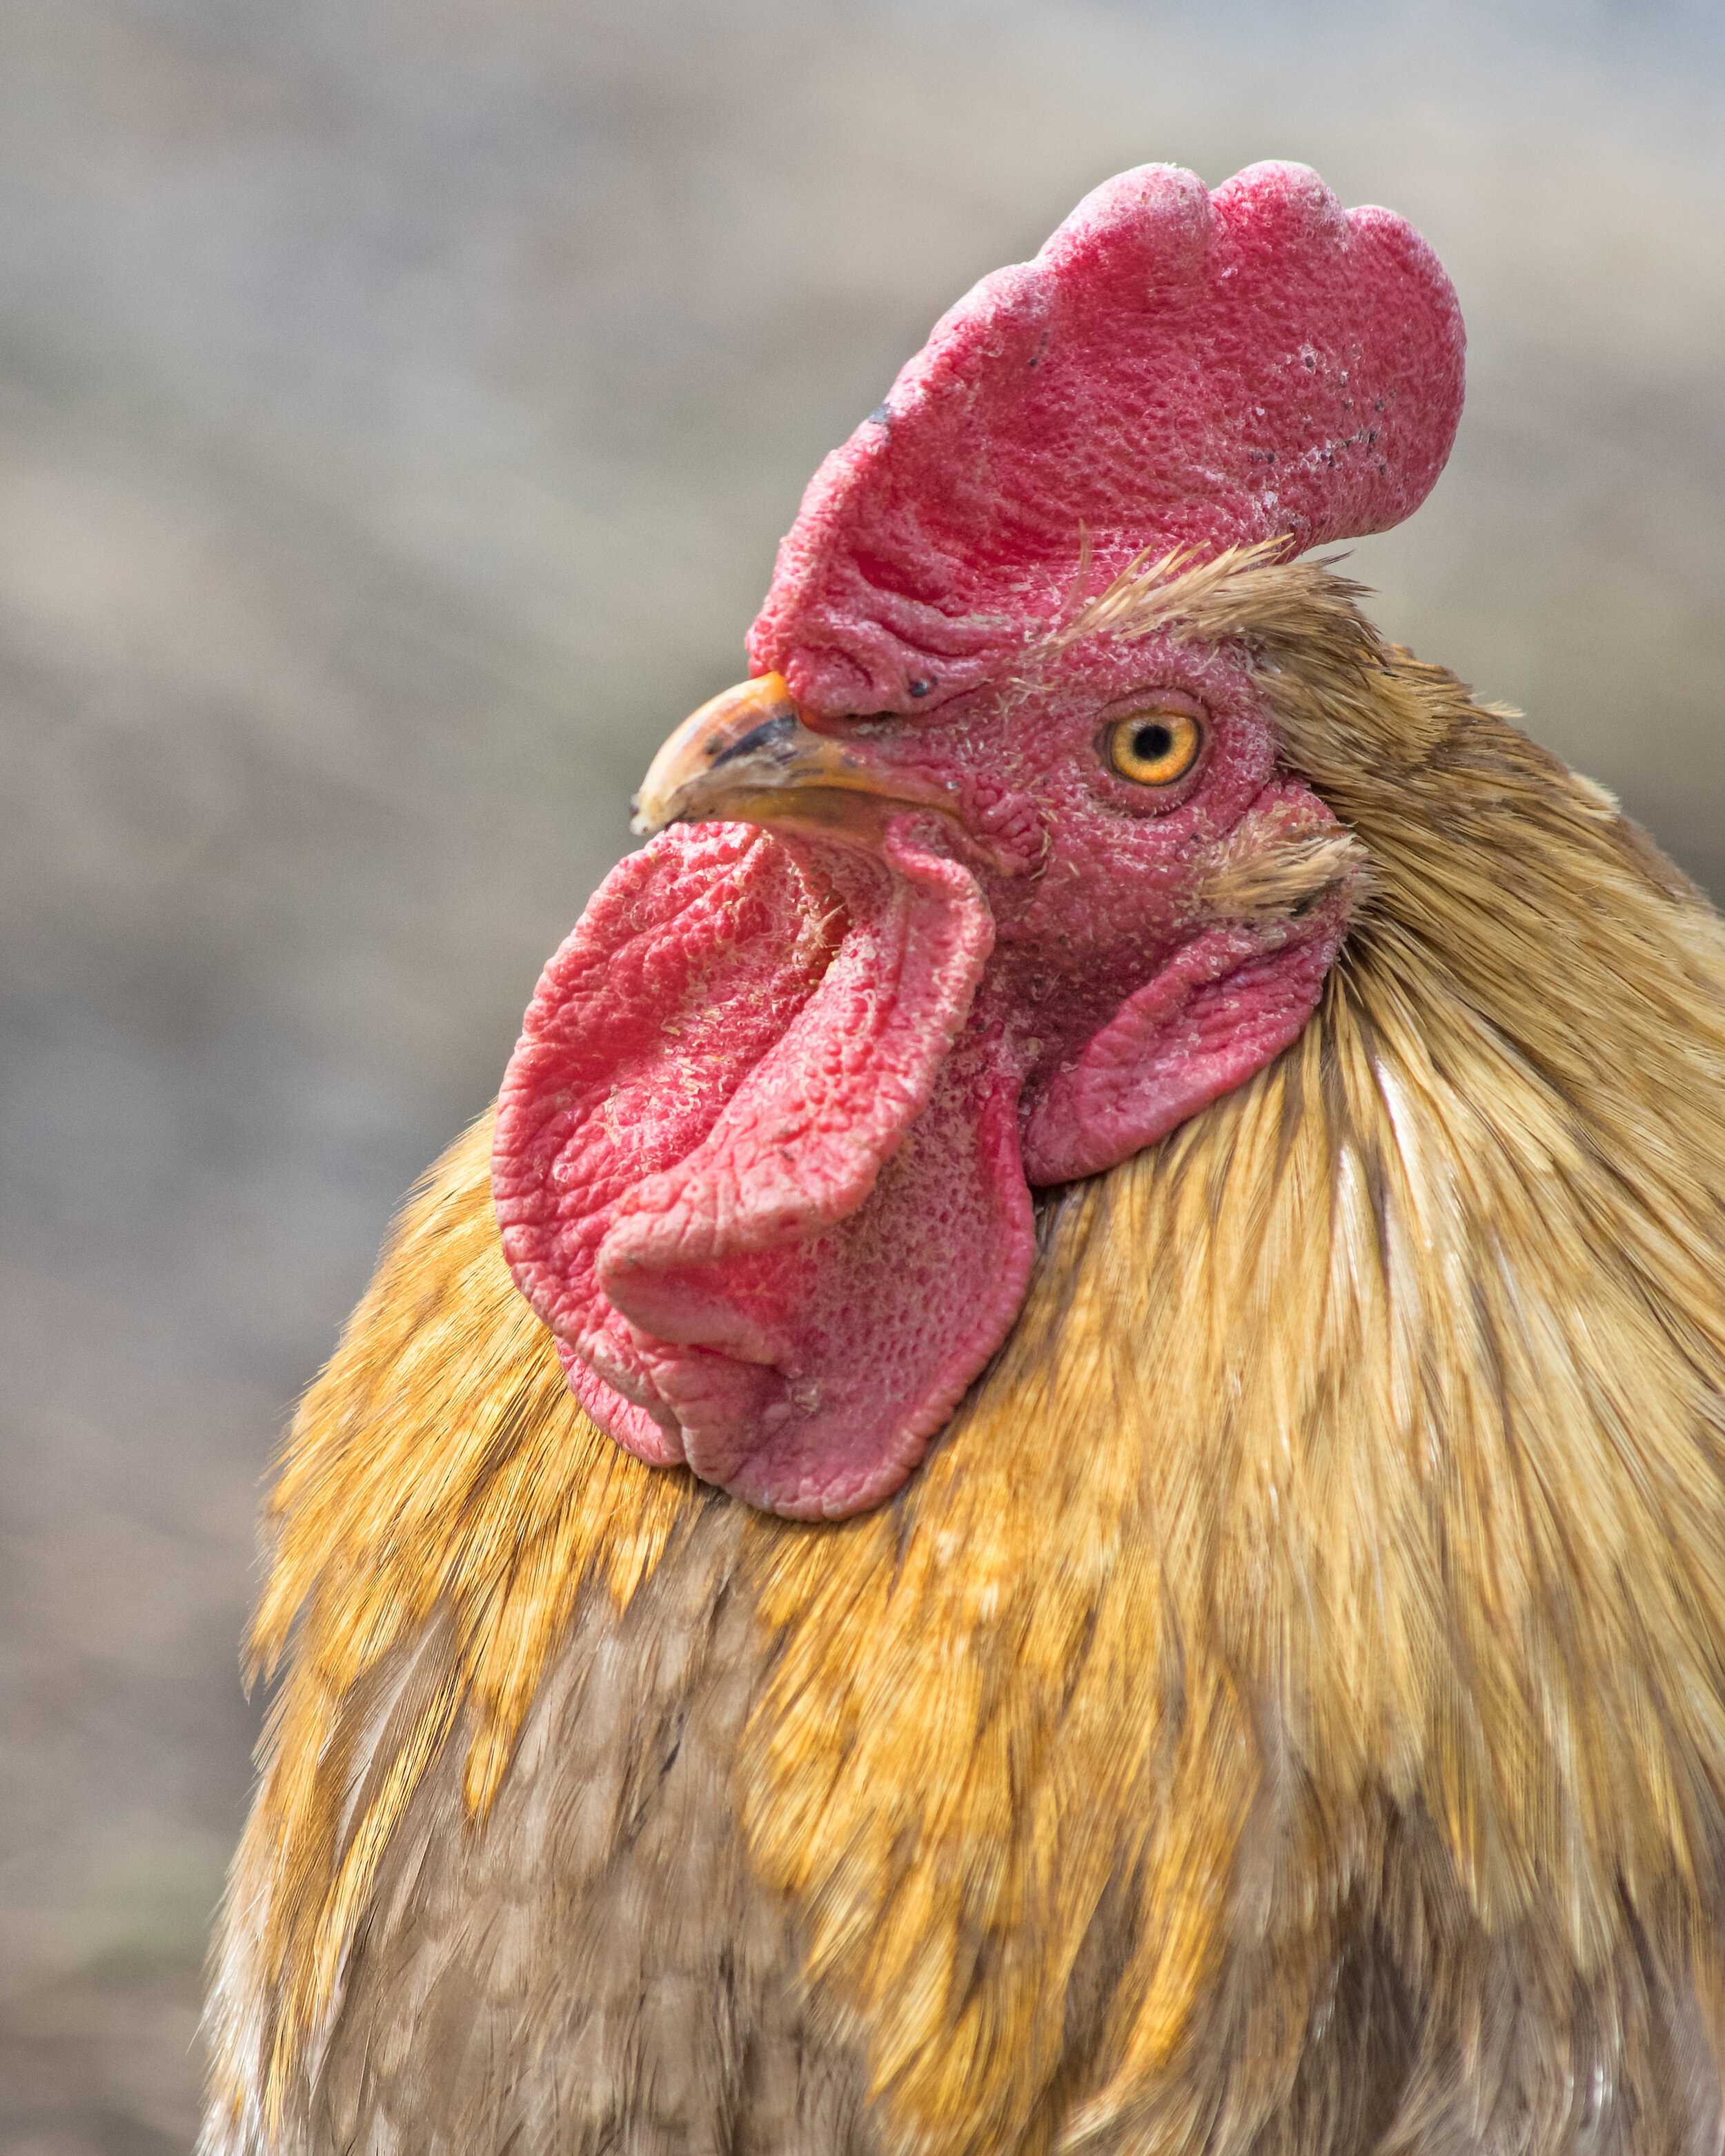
<point>764,1153</point>
<point>1095,881</point>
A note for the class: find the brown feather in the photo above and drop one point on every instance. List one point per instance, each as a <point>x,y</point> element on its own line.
<point>1286,1713</point>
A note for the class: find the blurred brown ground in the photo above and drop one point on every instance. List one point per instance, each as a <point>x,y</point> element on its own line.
<point>398,406</point>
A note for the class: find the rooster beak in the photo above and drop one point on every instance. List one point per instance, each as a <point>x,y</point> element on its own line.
<point>747,757</point>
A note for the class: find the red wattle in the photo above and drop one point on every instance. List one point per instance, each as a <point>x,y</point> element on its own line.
<point>749,1173</point>
<point>690,961</point>
<point>799,1143</point>
<point>1221,1008</point>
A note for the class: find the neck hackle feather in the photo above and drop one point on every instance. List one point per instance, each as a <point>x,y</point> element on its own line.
<point>1287,1710</point>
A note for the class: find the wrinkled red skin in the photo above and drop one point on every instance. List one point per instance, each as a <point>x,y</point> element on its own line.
<point>1174,368</point>
<point>764,1154</point>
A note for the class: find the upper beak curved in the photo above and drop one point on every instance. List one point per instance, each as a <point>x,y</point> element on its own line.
<point>747,757</point>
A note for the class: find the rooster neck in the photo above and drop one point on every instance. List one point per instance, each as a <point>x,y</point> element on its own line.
<point>1357,1459</point>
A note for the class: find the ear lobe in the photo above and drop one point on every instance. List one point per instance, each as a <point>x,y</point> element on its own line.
<point>1222,1008</point>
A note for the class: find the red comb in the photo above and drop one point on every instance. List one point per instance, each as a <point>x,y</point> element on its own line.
<point>1175,367</point>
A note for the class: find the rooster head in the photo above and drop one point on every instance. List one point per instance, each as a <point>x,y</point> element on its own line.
<point>987,878</point>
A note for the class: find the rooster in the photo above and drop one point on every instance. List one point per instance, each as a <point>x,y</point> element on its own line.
<point>1056,1479</point>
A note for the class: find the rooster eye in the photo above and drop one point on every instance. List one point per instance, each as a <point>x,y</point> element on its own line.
<point>1154,749</point>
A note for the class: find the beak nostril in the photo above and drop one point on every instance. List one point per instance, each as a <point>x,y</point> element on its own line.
<point>766,736</point>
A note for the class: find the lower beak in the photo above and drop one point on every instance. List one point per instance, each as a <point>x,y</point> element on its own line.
<point>747,757</point>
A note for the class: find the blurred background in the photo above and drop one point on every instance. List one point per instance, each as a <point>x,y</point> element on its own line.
<point>399,403</point>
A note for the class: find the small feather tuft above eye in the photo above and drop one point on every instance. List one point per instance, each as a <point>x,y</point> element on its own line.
<point>1287,876</point>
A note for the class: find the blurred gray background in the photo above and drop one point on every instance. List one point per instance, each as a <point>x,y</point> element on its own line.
<point>399,404</point>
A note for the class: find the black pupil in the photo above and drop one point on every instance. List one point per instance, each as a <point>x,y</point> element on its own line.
<point>1152,742</point>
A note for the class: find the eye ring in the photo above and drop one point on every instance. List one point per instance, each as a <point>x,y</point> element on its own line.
<point>1154,747</point>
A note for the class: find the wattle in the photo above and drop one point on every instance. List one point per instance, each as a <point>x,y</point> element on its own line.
<point>754,1172</point>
